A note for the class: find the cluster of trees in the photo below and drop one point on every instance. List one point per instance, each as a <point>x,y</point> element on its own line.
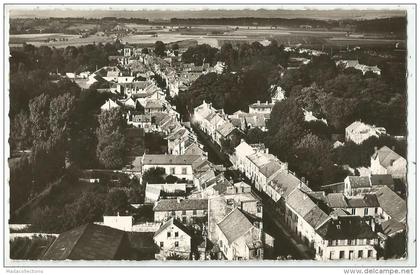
<point>252,68</point>
<point>200,54</point>
<point>340,97</point>
<point>345,96</point>
<point>158,176</point>
<point>111,148</point>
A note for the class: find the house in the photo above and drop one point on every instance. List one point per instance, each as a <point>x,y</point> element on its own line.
<point>346,238</point>
<point>90,242</point>
<point>188,211</point>
<point>386,161</point>
<point>195,148</point>
<point>363,206</point>
<point>358,185</point>
<point>154,192</point>
<point>109,104</point>
<point>180,166</point>
<point>391,205</point>
<point>358,132</point>
<point>239,236</point>
<point>173,238</point>
<point>153,106</point>
<point>354,185</point>
<point>261,107</point>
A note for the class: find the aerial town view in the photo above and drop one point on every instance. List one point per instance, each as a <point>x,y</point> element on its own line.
<point>207,135</point>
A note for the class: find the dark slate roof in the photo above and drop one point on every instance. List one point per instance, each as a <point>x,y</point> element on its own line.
<point>174,222</point>
<point>169,159</point>
<point>183,204</point>
<point>359,182</point>
<point>336,200</point>
<point>391,226</point>
<point>382,180</point>
<point>392,204</point>
<point>346,227</point>
<point>369,200</point>
<point>235,225</point>
<point>86,242</point>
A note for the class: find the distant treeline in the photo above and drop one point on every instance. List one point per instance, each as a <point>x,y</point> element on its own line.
<point>395,24</point>
<point>249,21</point>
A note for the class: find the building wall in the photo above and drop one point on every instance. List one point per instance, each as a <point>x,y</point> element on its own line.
<point>376,167</point>
<point>333,252</point>
<point>186,217</point>
<point>178,170</point>
<point>167,244</point>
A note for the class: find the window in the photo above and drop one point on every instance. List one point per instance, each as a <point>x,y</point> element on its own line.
<point>366,211</point>
<point>168,234</point>
<point>194,212</point>
<point>360,254</point>
<point>173,213</point>
<point>353,242</point>
<point>176,244</point>
<point>161,244</point>
<point>353,211</point>
<point>184,171</point>
<point>351,254</point>
<point>376,210</point>
<point>172,170</point>
<point>176,234</point>
<point>184,212</point>
<point>341,254</point>
<point>331,255</point>
<point>370,253</point>
<point>184,219</point>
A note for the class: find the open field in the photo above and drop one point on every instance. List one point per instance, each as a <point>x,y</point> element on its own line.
<point>215,36</point>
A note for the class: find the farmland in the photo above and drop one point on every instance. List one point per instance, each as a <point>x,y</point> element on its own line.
<point>214,35</point>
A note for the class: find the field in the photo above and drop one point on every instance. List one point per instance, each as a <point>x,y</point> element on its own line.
<point>212,35</point>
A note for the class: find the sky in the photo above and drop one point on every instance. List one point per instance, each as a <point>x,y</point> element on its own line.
<point>156,12</point>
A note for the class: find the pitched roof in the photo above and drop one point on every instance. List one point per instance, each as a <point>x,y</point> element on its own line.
<point>170,222</point>
<point>392,204</point>
<point>270,168</point>
<point>284,183</point>
<point>226,128</point>
<point>336,200</point>
<point>391,226</point>
<point>386,156</point>
<point>235,225</point>
<point>86,242</point>
<point>346,227</point>
<point>182,204</point>
<point>316,217</point>
<point>359,182</point>
<point>382,180</point>
<point>369,200</point>
<point>169,159</point>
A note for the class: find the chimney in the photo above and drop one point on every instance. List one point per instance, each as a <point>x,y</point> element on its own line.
<point>258,102</point>
<point>286,166</point>
<point>376,149</point>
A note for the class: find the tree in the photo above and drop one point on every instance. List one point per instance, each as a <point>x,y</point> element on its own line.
<point>116,202</point>
<point>20,132</point>
<point>111,146</point>
<point>160,48</point>
<point>90,207</point>
<point>154,176</point>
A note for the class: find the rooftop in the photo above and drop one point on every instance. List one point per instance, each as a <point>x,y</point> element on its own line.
<point>181,204</point>
<point>86,242</point>
<point>169,159</point>
<point>346,227</point>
